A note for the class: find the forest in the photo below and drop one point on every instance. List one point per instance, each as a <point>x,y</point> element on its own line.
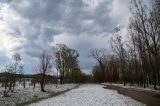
<point>137,60</point>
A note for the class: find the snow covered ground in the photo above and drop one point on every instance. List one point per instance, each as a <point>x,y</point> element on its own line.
<point>89,95</point>
<point>26,94</point>
<point>140,88</point>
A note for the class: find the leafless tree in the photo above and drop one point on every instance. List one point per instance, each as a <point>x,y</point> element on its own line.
<point>17,58</point>
<point>139,60</point>
<point>99,55</point>
<point>145,26</point>
<point>45,61</point>
<point>118,46</point>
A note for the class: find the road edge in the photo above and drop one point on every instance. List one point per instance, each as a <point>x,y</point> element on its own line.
<point>34,100</point>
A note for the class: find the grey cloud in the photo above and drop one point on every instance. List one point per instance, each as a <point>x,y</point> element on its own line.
<point>44,10</point>
<point>54,11</point>
<point>42,20</point>
<point>4,60</point>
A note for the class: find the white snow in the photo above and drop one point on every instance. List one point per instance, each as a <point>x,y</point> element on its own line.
<point>138,88</point>
<point>89,95</point>
<point>26,94</point>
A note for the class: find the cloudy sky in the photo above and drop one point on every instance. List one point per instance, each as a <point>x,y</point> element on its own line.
<point>30,26</point>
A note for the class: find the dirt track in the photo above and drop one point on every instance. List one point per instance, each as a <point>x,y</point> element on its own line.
<point>147,97</point>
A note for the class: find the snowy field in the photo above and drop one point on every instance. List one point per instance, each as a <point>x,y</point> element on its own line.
<point>26,94</point>
<point>89,95</point>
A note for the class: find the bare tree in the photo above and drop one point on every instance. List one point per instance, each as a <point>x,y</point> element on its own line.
<point>99,55</point>
<point>145,26</point>
<point>118,46</point>
<point>21,72</point>
<point>45,60</point>
<point>8,80</point>
<point>139,61</point>
<point>60,62</point>
<point>17,58</point>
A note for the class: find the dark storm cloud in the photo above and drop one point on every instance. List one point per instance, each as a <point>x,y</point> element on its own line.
<point>68,14</point>
<point>80,24</point>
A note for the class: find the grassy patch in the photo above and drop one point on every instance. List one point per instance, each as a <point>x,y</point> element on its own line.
<point>34,100</point>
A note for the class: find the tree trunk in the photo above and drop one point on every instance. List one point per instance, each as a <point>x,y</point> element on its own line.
<point>42,83</point>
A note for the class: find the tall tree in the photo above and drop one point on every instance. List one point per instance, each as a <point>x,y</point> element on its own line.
<point>66,62</point>
<point>60,62</point>
<point>45,61</point>
<point>146,28</point>
<point>17,58</point>
<point>118,46</point>
<point>99,55</point>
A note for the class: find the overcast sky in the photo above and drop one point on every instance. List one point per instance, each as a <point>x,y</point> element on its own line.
<point>30,26</point>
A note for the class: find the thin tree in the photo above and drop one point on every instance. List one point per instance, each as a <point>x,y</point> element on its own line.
<point>99,55</point>
<point>118,47</point>
<point>16,58</point>
<point>145,26</point>
<point>45,60</point>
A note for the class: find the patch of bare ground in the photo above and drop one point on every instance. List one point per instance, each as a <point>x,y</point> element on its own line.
<point>149,98</point>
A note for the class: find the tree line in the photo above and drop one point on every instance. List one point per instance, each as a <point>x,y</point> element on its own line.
<point>62,58</point>
<point>66,62</point>
<point>137,60</point>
